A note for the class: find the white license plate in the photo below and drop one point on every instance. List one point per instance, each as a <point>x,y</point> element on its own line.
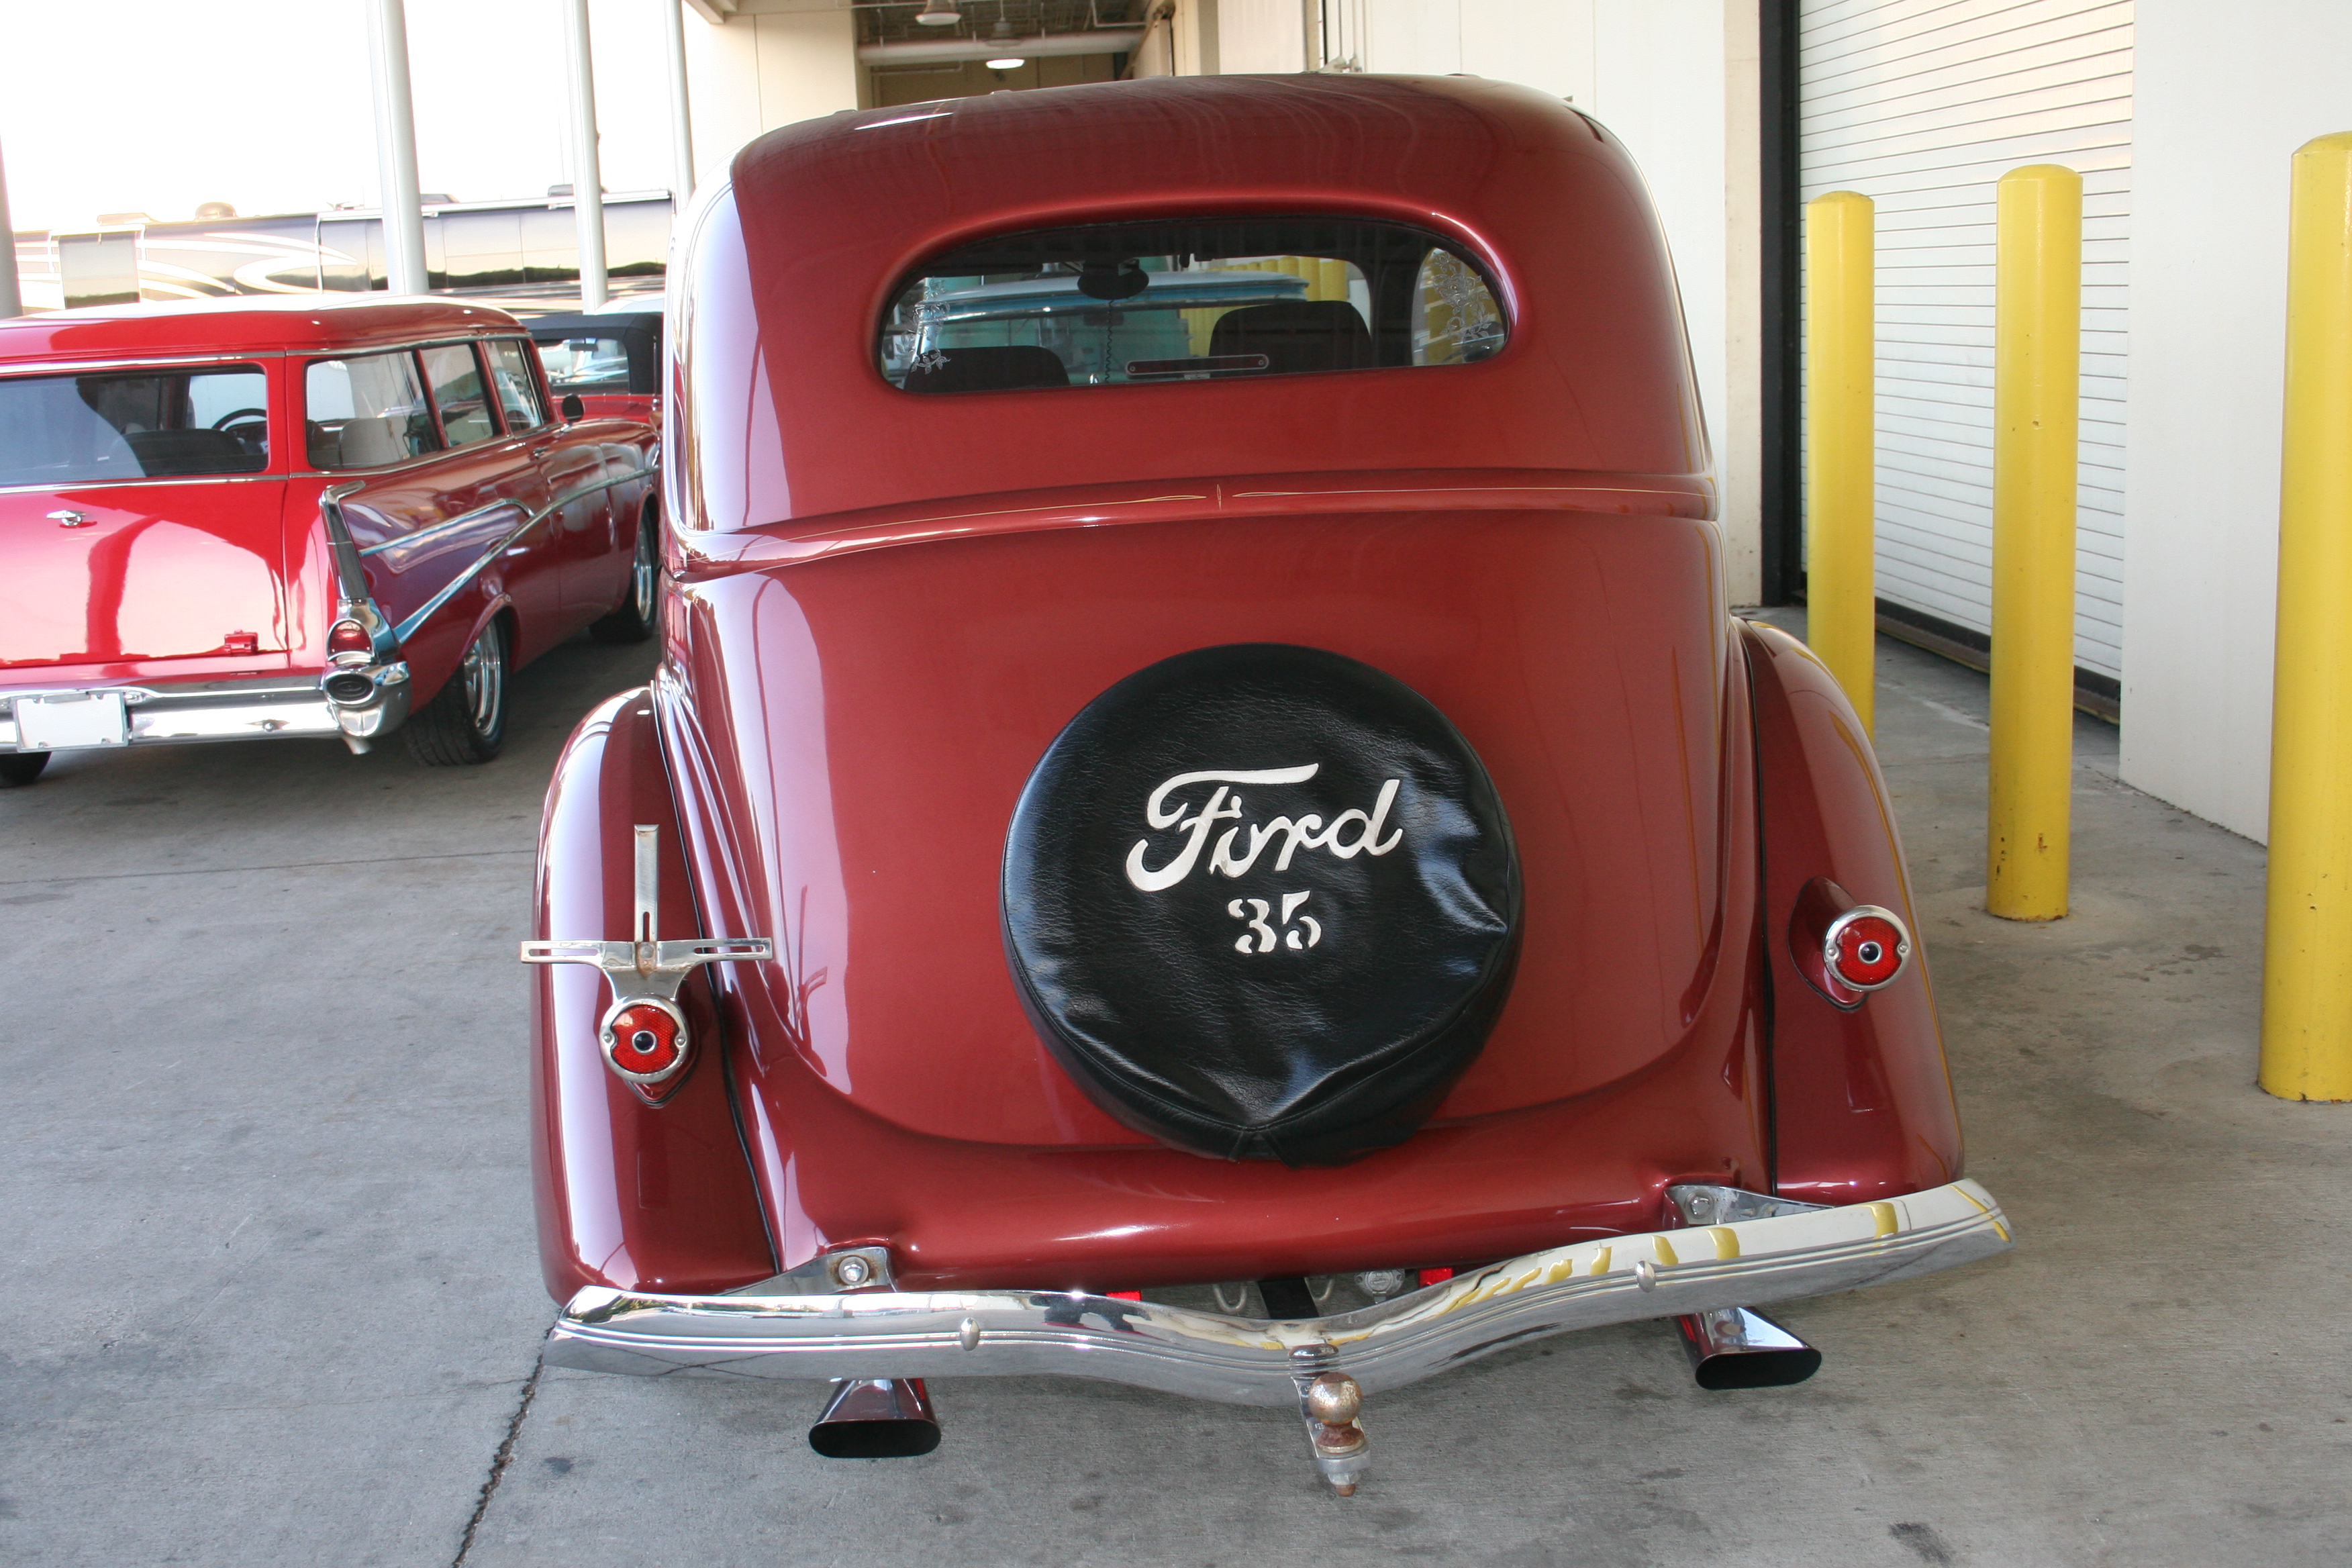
<point>63,724</point>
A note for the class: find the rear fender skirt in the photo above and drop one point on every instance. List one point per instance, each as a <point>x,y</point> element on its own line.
<point>630,1196</point>
<point>1863,1105</point>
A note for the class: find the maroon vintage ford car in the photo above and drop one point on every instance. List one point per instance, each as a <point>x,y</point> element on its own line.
<point>304,516</point>
<point>1203,821</point>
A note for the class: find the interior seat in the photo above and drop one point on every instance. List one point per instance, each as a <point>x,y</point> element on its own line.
<point>1002,369</point>
<point>163,453</point>
<point>1297,335</point>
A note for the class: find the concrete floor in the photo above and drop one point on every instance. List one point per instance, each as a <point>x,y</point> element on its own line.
<point>267,1294</point>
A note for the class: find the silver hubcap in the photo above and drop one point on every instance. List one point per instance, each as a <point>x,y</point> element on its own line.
<point>486,676</point>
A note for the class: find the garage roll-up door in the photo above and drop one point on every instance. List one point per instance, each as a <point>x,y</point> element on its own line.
<point>1922,105</point>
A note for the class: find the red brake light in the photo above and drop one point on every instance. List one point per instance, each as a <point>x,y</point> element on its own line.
<point>1867,951</point>
<point>348,637</point>
<point>1846,949</point>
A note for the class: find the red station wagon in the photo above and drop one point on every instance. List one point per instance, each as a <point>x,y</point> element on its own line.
<point>1203,821</point>
<point>296,517</point>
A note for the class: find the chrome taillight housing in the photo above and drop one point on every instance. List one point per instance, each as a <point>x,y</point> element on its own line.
<point>1843,948</point>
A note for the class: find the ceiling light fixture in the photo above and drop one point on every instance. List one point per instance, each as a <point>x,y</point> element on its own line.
<point>1009,63</point>
<point>939,14</point>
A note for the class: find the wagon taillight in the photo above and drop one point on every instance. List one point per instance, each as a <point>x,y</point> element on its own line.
<point>348,638</point>
<point>1843,948</point>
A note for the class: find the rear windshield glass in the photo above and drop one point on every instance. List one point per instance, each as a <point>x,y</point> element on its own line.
<point>133,425</point>
<point>1206,300</point>
<point>586,363</point>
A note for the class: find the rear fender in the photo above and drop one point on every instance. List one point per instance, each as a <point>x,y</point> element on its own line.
<point>635,1197</point>
<point>1862,1104</point>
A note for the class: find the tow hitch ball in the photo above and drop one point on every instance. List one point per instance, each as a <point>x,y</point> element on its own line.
<point>644,1032</point>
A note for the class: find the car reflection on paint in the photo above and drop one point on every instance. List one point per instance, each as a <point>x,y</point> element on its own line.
<point>298,516</point>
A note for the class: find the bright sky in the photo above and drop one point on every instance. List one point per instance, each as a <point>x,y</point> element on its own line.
<point>156,105</point>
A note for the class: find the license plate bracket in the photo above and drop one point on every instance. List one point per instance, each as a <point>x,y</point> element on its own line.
<point>72,720</point>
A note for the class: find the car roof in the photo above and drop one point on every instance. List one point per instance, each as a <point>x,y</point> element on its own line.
<point>785,274</point>
<point>281,323</point>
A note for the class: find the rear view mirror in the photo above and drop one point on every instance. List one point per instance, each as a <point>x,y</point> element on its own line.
<point>572,407</point>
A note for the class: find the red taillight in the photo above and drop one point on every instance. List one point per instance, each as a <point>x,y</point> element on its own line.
<point>1867,951</point>
<point>1435,1275</point>
<point>1846,949</point>
<point>348,637</point>
<point>645,1040</point>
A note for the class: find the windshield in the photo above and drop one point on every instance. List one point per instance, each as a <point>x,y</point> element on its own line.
<point>133,425</point>
<point>1192,300</point>
<point>586,364</point>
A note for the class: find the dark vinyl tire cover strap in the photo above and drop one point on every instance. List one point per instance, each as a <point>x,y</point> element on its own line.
<point>1262,902</point>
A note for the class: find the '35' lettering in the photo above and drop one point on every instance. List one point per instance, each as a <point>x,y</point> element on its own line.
<point>1261,937</point>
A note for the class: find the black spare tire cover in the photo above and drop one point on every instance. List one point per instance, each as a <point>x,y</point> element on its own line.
<point>1262,902</point>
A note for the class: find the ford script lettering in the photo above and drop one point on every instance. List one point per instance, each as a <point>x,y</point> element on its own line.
<point>1352,833</point>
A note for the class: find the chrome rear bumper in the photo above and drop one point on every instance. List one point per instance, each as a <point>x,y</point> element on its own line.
<point>1239,1361</point>
<point>272,708</point>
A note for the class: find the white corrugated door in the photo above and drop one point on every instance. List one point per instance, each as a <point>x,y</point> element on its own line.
<point>1922,105</point>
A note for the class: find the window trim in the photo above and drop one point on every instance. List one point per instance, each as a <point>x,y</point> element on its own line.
<point>416,351</point>
<point>1489,274</point>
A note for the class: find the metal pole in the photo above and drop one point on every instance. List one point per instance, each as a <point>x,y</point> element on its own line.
<point>1840,450</point>
<point>2037,382</point>
<point>681,118</point>
<point>395,147</point>
<point>2307,949</point>
<point>587,176</point>
<point>12,302</point>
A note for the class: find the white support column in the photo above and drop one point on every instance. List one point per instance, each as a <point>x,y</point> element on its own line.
<point>681,120</point>
<point>395,147</point>
<point>11,303</point>
<point>587,175</point>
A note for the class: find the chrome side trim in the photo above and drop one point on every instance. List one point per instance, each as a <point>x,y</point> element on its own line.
<point>975,1333</point>
<point>76,486</point>
<point>456,585</point>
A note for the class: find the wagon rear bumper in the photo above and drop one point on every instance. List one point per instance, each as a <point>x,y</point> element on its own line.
<point>978,1333</point>
<point>371,701</point>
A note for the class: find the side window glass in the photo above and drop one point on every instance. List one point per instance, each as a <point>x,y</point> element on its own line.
<point>455,377</point>
<point>517,392</point>
<point>366,412</point>
<point>1457,320</point>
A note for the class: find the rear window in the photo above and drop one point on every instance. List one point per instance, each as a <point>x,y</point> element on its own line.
<point>1208,300</point>
<point>133,425</point>
<point>586,363</point>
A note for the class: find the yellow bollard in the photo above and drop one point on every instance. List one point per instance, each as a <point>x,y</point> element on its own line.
<point>2307,949</point>
<point>1840,444</point>
<point>2037,396</point>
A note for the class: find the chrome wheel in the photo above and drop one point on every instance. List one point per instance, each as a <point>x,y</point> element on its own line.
<point>632,620</point>
<point>645,576</point>
<point>485,675</point>
<point>466,722</point>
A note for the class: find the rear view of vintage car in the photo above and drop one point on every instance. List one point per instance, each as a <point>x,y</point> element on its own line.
<point>1203,820</point>
<point>296,517</point>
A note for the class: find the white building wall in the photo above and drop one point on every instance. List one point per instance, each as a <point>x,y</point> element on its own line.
<point>1922,105</point>
<point>2225,96</point>
<point>752,73</point>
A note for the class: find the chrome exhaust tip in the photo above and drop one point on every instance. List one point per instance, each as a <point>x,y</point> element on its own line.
<point>876,1418</point>
<point>1735,1348</point>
